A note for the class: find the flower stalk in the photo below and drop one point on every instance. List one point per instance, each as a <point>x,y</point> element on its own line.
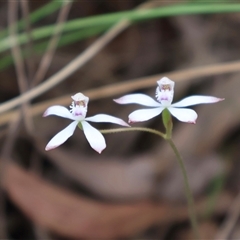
<point>191,205</point>
<point>167,137</point>
<point>143,129</point>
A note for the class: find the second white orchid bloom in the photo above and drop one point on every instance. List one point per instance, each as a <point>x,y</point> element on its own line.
<point>164,95</point>
<point>77,113</point>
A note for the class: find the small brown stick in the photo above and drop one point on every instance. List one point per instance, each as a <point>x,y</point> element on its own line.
<point>19,64</point>
<point>231,220</point>
<point>30,62</point>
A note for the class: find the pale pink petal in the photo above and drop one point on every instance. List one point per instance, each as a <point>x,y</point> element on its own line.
<point>184,114</point>
<point>138,98</point>
<point>106,118</point>
<point>194,100</point>
<point>59,111</point>
<point>62,136</point>
<point>144,114</point>
<point>94,137</point>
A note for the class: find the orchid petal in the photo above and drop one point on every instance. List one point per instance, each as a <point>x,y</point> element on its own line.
<point>144,114</point>
<point>138,98</point>
<point>62,136</point>
<point>94,137</point>
<point>184,114</point>
<point>194,100</point>
<point>106,118</point>
<point>59,111</point>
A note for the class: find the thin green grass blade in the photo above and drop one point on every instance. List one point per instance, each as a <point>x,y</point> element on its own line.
<point>133,15</point>
<point>66,39</point>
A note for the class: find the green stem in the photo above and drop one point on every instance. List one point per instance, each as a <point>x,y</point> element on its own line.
<point>115,130</point>
<point>191,207</point>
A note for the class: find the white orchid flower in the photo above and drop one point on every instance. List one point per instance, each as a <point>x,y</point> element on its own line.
<point>77,113</point>
<point>164,95</point>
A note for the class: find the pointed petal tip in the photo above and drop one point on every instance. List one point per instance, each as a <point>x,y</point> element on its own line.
<point>117,100</point>
<point>99,150</point>
<point>125,124</point>
<point>216,100</point>
<point>48,111</point>
<point>45,114</point>
<point>94,137</point>
<point>122,123</point>
<point>193,122</point>
<point>47,148</point>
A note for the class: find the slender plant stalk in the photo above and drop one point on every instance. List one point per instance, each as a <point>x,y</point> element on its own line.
<point>191,206</point>
<point>116,130</point>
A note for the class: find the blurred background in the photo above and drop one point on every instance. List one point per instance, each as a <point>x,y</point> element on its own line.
<point>51,50</point>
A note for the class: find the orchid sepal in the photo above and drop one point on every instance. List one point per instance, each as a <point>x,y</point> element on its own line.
<point>196,99</point>
<point>59,111</point>
<point>62,136</point>
<point>138,98</point>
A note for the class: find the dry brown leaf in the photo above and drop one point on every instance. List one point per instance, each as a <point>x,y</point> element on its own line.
<point>74,216</point>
